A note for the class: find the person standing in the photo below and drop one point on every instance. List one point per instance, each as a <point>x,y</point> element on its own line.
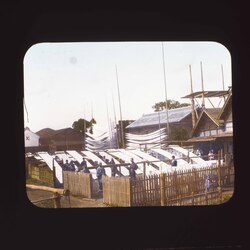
<point>71,166</point>
<point>211,155</point>
<point>100,171</point>
<point>114,169</point>
<point>66,166</point>
<point>83,164</point>
<point>133,167</point>
<point>173,162</point>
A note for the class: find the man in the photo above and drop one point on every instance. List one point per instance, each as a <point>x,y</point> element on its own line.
<point>83,164</point>
<point>100,171</point>
<point>132,168</point>
<point>173,162</point>
<point>66,166</point>
<point>114,169</point>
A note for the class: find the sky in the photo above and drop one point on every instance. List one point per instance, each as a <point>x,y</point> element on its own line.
<point>64,82</point>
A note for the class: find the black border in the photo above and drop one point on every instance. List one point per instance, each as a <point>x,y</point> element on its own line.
<point>24,24</point>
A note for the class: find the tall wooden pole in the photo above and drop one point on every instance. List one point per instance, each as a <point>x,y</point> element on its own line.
<point>159,116</point>
<point>116,137</point>
<point>118,90</point>
<point>223,84</point>
<point>202,86</point>
<point>165,85</point>
<point>109,126</point>
<point>192,98</point>
<point>84,130</point>
<point>222,74</point>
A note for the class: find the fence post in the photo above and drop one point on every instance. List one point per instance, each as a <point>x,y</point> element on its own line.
<point>90,186</point>
<point>57,199</point>
<point>219,177</point>
<point>144,170</point>
<point>54,173</point>
<point>162,188</point>
<point>130,192</point>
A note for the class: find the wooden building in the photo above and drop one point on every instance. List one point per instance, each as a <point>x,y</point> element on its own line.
<point>177,119</point>
<point>62,139</point>
<point>214,128</point>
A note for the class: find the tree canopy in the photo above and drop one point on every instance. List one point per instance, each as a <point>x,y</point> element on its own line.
<point>171,104</point>
<point>82,125</point>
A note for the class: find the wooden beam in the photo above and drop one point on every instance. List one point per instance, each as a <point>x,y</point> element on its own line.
<point>49,189</point>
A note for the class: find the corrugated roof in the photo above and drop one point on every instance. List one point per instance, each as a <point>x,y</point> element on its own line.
<point>174,115</point>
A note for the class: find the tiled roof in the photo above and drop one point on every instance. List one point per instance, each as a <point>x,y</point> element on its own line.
<point>174,115</point>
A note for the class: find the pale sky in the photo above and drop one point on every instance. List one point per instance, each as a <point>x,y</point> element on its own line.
<point>67,81</point>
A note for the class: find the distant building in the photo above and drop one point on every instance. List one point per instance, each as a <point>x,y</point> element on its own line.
<point>179,118</point>
<point>31,140</point>
<point>214,129</point>
<point>62,139</point>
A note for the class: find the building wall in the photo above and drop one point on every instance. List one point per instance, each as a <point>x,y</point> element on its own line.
<point>30,139</point>
<point>40,172</point>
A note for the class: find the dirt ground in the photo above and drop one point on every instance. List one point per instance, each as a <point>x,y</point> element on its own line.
<point>80,202</point>
<point>66,202</point>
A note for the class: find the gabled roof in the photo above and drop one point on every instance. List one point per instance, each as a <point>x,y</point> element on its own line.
<point>46,132</point>
<point>174,115</point>
<point>212,114</point>
<point>227,105</point>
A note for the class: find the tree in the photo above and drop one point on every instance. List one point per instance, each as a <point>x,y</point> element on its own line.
<point>172,104</point>
<point>82,125</point>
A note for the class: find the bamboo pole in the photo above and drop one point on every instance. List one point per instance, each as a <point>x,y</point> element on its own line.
<point>162,189</point>
<point>202,85</point>
<point>118,90</point>
<point>49,189</point>
<point>165,85</point>
<point>192,98</point>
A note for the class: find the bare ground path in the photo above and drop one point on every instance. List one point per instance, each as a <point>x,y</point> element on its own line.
<point>74,202</point>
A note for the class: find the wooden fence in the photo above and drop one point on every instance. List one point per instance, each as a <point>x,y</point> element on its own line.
<point>78,183</point>
<point>178,188</point>
<point>116,191</point>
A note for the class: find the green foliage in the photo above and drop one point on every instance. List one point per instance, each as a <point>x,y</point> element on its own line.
<point>82,125</point>
<point>172,104</point>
